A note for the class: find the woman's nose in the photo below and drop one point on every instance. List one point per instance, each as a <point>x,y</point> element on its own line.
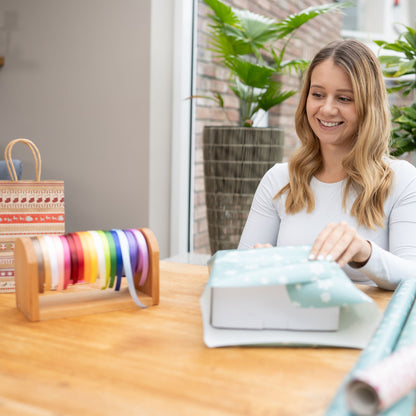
<point>329,106</point>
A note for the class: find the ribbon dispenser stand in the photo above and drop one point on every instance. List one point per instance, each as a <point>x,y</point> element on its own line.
<point>83,298</point>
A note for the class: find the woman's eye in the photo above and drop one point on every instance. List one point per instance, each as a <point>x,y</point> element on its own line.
<point>316,94</point>
<point>345,99</point>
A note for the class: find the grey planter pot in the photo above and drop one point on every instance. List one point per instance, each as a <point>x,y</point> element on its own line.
<point>235,160</point>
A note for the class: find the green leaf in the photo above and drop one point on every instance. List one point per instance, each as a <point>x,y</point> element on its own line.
<point>395,46</point>
<point>409,112</point>
<point>257,29</point>
<point>405,120</point>
<point>410,37</point>
<point>223,13</point>
<point>248,97</point>
<point>395,111</point>
<point>380,43</point>
<point>295,21</point>
<point>393,90</point>
<point>297,65</point>
<point>274,97</point>
<point>405,68</point>
<point>217,98</point>
<point>253,75</point>
<point>389,60</point>
<point>402,141</point>
<point>244,92</point>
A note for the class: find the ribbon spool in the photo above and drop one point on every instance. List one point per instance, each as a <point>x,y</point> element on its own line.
<point>88,259</point>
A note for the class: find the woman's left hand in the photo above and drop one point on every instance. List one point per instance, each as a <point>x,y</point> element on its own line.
<point>341,242</point>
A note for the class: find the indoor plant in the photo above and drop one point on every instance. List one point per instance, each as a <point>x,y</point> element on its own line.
<point>252,47</point>
<point>401,66</point>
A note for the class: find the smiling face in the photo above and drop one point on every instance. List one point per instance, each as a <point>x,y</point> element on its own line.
<point>330,107</point>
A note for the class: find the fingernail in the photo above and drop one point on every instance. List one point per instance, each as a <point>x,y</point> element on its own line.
<point>311,257</point>
<point>329,257</point>
<point>321,257</point>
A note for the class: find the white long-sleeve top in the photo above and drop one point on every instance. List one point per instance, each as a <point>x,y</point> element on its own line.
<point>393,256</point>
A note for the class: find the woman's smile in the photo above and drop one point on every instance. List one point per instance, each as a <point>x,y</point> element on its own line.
<point>330,123</point>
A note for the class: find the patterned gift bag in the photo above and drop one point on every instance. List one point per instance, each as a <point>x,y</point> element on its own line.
<point>27,208</point>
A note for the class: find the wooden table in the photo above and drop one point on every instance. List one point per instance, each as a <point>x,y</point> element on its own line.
<point>154,362</point>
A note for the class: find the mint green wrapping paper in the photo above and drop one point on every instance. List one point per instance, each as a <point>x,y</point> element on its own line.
<point>391,328</point>
<point>407,337</point>
<point>309,284</point>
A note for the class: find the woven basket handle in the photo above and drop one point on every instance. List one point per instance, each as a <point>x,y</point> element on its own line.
<point>9,161</point>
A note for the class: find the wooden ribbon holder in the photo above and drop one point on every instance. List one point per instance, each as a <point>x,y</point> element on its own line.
<point>81,298</point>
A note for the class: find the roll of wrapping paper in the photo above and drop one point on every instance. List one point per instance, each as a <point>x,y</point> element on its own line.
<point>407,338</point>
<point>382,342</point>
<point>375,389</point>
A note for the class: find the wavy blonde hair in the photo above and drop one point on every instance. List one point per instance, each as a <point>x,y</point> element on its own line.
<point>368,171</point>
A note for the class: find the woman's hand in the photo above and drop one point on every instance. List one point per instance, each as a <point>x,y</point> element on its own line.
<point>341,242</point>
<point>258,245</point>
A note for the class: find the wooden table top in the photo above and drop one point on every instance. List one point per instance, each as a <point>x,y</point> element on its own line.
<point>154,362</point>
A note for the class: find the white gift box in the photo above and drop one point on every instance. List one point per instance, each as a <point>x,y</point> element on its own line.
<point>267,308</point>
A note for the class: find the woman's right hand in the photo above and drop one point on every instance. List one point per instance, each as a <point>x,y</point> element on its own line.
<point>258,245</point>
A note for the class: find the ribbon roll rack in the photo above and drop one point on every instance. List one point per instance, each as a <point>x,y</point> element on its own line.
<point>83,298</point>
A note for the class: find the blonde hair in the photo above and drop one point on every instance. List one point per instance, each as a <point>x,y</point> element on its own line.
<point>367,170</point>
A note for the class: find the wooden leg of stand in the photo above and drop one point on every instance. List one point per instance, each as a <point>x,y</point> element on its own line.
<point>151,286</point>
<point>26,275</point>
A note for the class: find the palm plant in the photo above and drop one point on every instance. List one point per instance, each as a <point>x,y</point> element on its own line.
<point>401,66</point>
<point>242,40</point>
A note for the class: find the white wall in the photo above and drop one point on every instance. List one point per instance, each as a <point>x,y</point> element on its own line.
<point>78,81</point>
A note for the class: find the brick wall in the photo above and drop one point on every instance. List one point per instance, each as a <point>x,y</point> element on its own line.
<point>210,77</point>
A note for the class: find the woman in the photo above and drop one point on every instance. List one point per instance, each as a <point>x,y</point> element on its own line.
<point>340,192</point>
